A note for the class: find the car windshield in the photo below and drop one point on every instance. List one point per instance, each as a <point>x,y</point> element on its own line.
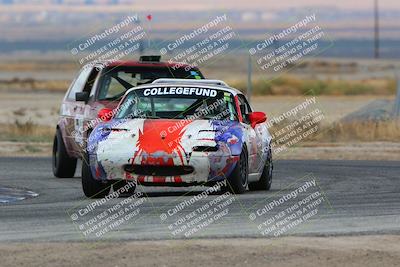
<point>116,80</point>
<point>178,103</point>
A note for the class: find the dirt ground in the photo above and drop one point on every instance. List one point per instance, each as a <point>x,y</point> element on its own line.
<point>363,251</point>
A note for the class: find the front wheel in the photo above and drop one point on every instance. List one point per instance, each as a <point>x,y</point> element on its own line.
<point>64,166</point>
<point>92,188</point>
<point>238,180</point>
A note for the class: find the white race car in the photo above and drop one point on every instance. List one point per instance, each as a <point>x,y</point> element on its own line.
<point>179,133</point>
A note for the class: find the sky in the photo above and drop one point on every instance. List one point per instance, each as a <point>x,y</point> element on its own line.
<point>168,5</point>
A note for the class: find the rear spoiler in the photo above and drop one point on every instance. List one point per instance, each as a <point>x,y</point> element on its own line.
<point>191,81</point>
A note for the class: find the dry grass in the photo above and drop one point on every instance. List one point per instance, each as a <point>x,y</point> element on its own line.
<point>288,85</point>
<point>35,85</point>
<point>303,79</point>
<point>38,65</point>
<point>361,131</point>
<point>27,132</point>
<point>357,131</point>
<point>285,85</point>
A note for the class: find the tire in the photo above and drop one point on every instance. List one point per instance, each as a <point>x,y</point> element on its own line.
<point>64,166</point>
<point>238,180</point>
<point>91,187</point>
<point>265,181</point>
<point>119,184</point>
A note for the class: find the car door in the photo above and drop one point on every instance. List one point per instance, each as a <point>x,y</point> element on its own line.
<point>254,144</point>
<point>85,112</point>
<point>72,111</point>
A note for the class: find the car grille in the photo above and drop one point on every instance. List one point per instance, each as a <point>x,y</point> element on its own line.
<point>205,148</point>
<point>157,170</point>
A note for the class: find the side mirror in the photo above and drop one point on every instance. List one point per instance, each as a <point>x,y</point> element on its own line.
<point>105,114</point>
<point>82,96</point>
<point>256,118</point>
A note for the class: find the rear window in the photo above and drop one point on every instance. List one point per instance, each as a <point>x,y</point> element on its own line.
<point>116,80</point>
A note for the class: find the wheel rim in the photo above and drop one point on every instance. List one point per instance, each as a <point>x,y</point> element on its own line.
<point>243,170</point>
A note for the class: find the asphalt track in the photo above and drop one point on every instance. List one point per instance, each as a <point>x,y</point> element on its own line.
<point>359,197</point>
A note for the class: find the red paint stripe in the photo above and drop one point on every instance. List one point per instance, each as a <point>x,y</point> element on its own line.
<point>157,179</point>
<point>238,108</point>
<point>178,179</point>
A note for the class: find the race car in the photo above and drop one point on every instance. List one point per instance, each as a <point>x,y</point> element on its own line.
<point>102,85</point>
<point>176,132</point>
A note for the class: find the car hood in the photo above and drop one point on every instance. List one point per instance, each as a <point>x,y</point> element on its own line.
<point>167,136</point>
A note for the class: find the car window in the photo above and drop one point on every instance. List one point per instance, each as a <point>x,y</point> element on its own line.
<point>116,80</point>
<point>244,108</point>
<point>112,87</point>
<point>91,80</point>
<point>171,103</point>
<point>78,83</point>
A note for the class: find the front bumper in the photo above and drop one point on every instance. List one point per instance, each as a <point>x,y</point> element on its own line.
<point>193,168</point>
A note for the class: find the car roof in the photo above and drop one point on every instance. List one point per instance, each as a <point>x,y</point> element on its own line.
<point>203,83</point>
<point>135,63</point>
